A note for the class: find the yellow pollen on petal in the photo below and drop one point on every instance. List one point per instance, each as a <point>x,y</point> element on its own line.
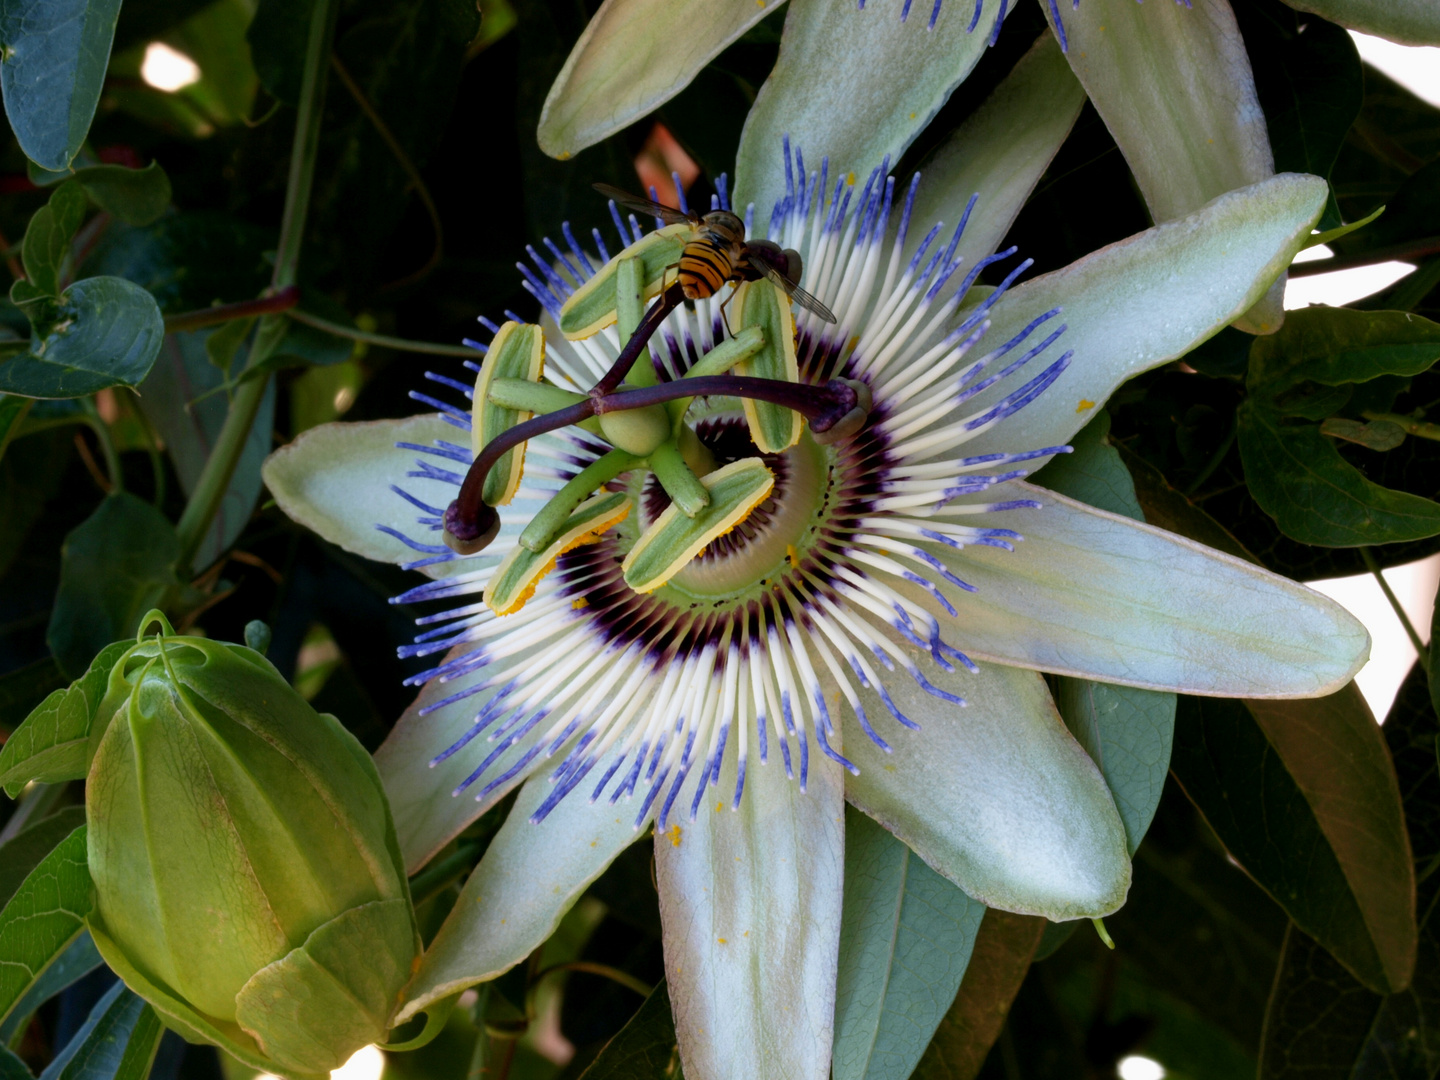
<point>579,603</point>
<point>587,532</point>
<point>792,555</point>
<point>1085,403</point>
<point>719,806</point>
<point>674,835</point>
<point>722,941</point>
<point>850,179</point>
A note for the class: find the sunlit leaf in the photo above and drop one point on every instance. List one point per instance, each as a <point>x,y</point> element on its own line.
<point>55,57</point>
<point>1001,957</point>
<point>51,745</point>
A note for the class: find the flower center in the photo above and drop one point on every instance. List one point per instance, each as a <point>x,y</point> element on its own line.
<point>780,528</point>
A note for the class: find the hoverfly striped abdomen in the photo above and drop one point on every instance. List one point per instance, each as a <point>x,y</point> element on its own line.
<point>709,260</point>
<point>719,253</point>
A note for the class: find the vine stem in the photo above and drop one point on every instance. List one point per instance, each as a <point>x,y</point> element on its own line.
<point>385,340</point>
<point>209,491</point>
<point>1374,568</point>
<point>279,300</point>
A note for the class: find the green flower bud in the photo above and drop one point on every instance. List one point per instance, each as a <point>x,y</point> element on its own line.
<point>248,882</point>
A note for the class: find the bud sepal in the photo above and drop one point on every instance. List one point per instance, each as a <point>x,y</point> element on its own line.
<point>248,880</point>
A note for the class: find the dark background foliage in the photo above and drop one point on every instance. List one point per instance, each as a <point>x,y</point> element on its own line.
<point>429,184</point>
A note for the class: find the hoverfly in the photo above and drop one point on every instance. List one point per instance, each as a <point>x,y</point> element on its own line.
<point>719,253</point>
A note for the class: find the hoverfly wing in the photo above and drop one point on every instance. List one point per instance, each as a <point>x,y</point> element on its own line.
<point>800,296</point>
<point>649,207</point>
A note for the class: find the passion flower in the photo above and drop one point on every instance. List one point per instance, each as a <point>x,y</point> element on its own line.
<point>869,630</point>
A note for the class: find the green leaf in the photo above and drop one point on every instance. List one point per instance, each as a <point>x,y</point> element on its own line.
<point>48,236</point>
<point>644,1049</point>
<point>136,196</point>
<point>1334,346</point>
<point>1296,474</point>
<point>114,567</point>
<point>117,1042</point>
<point>43,917</point>
<point>1196,925</point>
<point>1092,472</point>
<point>11,1067</point>
<point>1432,672</point>
<point>189,259</point>
<point>633,57</point>
<point>70,967</point>
<point>24,688</point>
<point>55,55</point>
<point>998,964</point>
<point>223,342</point>
<point>853,85</point>
<point>1410,22</point>
<point>180,397</point>
<point>25,851</point>
<point>906,935</point>
<point>50,746</point>
<point>1298,477</point>
<point>1304,796</point>
<point>1323,1025</point>
<point>13,410</point>
<point>276,37</point>
<point>108,334</point>
<point>1127,732</point>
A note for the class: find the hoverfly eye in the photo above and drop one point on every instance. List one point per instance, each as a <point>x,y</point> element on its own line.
<point>794,266</point>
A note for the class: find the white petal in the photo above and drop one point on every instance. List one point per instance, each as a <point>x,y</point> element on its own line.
<point>853,85</point>
<point>335,480</point>
<point>1000,152</point>
<point>997,796</point>
<point>530,876</point>
<point>427,815</point>
<point>633,57</point>
<point>1097,595</point>
<point>750,910</point>
<point>1174,86</point>
<point>1149,299</point>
